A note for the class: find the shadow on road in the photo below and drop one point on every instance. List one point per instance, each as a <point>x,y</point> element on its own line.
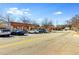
<point>6,36</point>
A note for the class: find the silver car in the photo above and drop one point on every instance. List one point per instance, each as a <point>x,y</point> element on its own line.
<point>5,32</point>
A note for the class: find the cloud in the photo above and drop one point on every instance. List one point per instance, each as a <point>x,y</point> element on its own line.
<point>58,13</point>
<point>16,11</point>
<point>27,13</point>
<point>26,9</point>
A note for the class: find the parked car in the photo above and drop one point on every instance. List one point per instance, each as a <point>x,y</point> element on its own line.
<point>17,32</point>
<point>33,31</point>
<point>5,32</point>
<point>42,31</point>
<point>36,31</point>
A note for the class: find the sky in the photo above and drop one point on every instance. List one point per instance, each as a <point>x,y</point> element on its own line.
<point>58,13</point>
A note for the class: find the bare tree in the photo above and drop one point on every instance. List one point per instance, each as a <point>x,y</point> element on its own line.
<point>34,22</point>
<point>74,22</point>
<point>2,18</point>
<point>5,19</point>
<point>47,22</point>
<point>8,19</point>
<point>25,19</point>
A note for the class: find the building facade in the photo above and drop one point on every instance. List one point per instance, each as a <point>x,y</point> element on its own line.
<point>23,26</point>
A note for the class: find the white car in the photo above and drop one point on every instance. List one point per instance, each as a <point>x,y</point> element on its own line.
<point>34,32</point>
<point>4,32</point>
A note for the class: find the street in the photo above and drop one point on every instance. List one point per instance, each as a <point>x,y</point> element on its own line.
<point>55,43</point>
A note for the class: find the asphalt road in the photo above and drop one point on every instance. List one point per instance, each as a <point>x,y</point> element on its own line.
<point>55,43</point>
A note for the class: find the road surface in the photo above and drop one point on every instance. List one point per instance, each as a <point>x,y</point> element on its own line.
<point>55,43</point>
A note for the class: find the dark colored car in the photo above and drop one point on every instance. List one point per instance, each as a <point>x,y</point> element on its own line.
<point>42,31</point>
<point>17,32</point>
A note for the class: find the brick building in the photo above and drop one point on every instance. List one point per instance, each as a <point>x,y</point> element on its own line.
<point>23,26</point>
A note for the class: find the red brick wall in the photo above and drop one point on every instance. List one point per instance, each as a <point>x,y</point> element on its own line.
<point>23,26</point>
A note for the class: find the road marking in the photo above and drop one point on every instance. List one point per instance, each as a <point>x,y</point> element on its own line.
<point>15,43</point>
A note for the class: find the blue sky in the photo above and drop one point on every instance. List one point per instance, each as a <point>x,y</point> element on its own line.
<point>57,12</point>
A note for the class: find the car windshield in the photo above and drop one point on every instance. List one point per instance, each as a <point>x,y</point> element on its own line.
<point>5,30</point>
<point>18,30</point>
